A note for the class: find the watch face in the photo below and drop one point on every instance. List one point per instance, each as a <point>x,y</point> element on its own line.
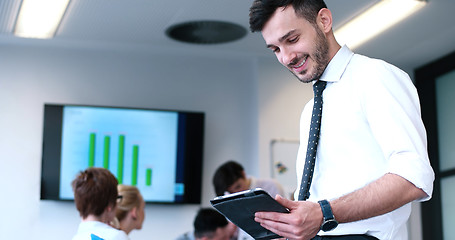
<point>329,225</point>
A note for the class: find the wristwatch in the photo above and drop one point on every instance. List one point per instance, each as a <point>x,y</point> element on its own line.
<point>329,222</point>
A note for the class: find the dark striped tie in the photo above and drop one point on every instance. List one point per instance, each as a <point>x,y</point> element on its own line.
<point>313,139</point>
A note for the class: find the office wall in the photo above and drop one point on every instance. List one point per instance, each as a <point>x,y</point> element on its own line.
<point>225,89</point>
<point>281,100</point>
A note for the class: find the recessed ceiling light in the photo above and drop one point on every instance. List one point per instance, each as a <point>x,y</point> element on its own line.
<point>206,32</point>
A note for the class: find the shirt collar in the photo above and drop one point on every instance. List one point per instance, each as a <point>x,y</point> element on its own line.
<point>337,65</point>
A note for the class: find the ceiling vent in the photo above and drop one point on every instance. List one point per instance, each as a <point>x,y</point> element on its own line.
<point>206,32</point>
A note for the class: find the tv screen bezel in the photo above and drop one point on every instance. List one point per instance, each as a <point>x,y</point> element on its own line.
<point>189,151</point>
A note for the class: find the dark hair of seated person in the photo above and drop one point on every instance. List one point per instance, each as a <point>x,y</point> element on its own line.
<point>207,221</point>
<point>226,175</point>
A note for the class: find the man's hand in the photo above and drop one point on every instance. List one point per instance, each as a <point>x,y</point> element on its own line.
<point>302,223</point>
<point>386,194</point>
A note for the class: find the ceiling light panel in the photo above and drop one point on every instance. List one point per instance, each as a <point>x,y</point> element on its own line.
<point>40,19</point>
<point>375,20</point>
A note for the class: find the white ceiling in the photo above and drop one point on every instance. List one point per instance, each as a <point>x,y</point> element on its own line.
<point>140,25</point>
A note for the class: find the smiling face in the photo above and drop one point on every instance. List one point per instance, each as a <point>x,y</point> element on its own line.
<point>299,45</point>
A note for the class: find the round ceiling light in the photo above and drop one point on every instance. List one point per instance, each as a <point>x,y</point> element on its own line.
<point>206,32</point>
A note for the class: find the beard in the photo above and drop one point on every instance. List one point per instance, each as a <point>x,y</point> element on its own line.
<point>320,57</point>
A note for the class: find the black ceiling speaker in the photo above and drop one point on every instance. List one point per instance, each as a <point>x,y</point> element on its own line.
<point>206,32</point>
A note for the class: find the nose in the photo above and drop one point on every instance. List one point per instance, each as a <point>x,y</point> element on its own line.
<point>287,56</point>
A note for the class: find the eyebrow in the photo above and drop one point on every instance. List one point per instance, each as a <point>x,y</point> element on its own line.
<point>281,39</point>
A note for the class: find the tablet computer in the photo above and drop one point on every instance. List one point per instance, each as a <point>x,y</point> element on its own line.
<point>240,208</point>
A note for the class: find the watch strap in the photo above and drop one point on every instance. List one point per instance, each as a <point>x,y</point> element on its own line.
<point>326,210</point>
<point>329,222</point>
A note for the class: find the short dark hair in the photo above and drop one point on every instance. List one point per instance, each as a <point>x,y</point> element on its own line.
<point>226,175</point>
<point>207,221</point>
<point>262,10</point>
<point>94,190</point>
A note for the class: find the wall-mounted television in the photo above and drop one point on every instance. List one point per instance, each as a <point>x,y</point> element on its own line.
<point>158,151</point>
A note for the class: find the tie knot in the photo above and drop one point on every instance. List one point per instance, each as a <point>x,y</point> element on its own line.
<point>318,87</point>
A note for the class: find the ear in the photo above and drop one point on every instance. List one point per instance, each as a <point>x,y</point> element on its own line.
<point>134,213</point>
<point>109,208</point>
<point>324,20</point>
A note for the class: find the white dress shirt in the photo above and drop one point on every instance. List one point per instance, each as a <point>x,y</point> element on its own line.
<point>371,125</point>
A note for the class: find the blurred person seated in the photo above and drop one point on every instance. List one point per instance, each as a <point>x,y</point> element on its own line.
<point>95,196</point>
<point>209,224</point>
<point>230,177</point>
<point>130,212</point>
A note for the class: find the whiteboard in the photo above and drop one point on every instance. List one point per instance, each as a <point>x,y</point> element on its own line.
<point>283,156</point>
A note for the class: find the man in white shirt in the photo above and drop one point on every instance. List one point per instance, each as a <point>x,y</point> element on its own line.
<point>371,160</point>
